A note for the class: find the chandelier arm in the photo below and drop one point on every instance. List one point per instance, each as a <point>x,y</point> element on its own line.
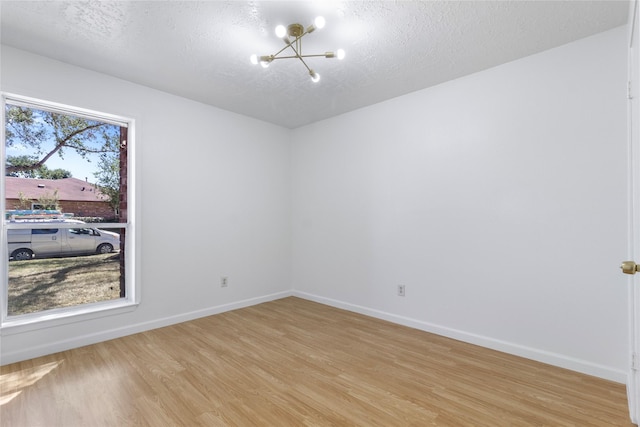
<point>298,40</point>
<point>295,50</point>
<point>305,64</point>
<point>312,56</point>
<point>298,46</point>
<point>282,50</point>
<point>285,57</point>
<point>300,56</point>
<point>290,44</point>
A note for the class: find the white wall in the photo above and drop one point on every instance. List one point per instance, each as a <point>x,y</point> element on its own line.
<point>498,200</point>
<point>236,170</point>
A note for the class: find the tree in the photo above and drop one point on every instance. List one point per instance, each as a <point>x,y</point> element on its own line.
<point>45,133</point>
<point>43,172</point>
<point>55,173</point>
<point>108,178</point>
<point>23,202</point>
<point>18,162</point>
<point>49,201</point>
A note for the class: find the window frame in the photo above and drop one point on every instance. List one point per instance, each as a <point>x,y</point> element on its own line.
<point>60,316</point>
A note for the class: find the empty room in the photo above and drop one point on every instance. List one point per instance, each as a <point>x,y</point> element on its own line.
<point>314,213</point>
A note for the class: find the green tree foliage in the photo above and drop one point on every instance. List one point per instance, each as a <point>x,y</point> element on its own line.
<point>55,173</point>
<point>23,202</point>
<point>43,172</point>
<point>49,201</point>
<point>17,166</point>
<point>108,177</point>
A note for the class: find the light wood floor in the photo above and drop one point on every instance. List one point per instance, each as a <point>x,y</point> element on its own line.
<point>293,362</point>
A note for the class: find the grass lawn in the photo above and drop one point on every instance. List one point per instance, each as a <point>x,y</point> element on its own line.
<point>43,284</point>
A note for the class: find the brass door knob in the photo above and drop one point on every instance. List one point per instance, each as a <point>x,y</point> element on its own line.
<point>629,267</point>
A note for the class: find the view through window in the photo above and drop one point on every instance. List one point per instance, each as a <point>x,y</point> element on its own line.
<point>65,207</point>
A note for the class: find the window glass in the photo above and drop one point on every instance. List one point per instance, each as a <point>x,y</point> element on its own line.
<point>69,167</point>
<point>44,231</point>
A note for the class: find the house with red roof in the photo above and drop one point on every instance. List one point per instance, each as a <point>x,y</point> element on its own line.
<point>75,196</point>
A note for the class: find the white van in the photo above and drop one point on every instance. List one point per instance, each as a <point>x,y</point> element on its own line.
<point>27,243</point>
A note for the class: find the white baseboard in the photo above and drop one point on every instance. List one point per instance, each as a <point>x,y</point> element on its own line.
<point>492,343</point>
<point>88,339</point>
<point>554,359</point>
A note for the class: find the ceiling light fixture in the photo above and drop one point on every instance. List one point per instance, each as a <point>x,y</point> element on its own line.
<point>296,31</point>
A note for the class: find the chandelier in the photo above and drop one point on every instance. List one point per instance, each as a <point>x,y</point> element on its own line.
<point>292,37</point>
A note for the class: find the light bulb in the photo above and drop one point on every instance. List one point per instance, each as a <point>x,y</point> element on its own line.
<point>281,31</point>
<point>254,59</point>
<point>340,54</point>
<point>265,60</point>
<point>319,22</point>
<point>315,77</point>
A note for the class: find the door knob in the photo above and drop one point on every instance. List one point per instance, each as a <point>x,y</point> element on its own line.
<point>629,267</point>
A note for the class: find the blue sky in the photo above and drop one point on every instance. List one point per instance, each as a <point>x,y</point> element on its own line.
<point>78,166</point>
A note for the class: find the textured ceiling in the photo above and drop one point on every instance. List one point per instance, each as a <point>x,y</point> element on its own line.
<point>200,49</point>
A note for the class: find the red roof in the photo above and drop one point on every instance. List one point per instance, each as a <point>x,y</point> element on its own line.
<point>69,189</point>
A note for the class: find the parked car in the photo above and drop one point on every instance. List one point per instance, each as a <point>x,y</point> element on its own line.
<point>27,243</point>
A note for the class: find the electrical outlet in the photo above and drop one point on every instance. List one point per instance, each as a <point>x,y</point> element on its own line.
<point>224,281</point>
<point>400,290</point>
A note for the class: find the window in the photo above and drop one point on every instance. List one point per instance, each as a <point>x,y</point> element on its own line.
<point>80,231</point>
<point>85,264</point>
<point>44,231</point>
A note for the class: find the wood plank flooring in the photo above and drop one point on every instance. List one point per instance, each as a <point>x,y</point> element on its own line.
<point>293,362</point>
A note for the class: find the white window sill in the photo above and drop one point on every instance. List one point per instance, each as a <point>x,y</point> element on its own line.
<point>63,316</point>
